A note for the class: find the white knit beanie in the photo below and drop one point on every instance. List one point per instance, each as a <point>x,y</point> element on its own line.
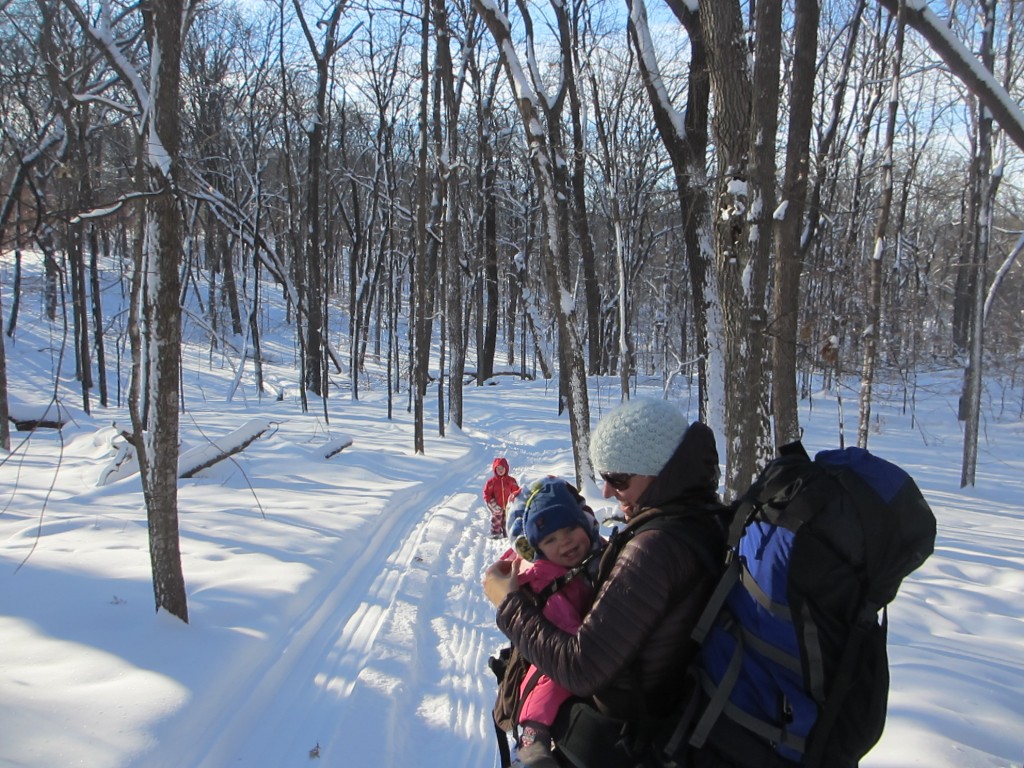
<point>637,438</point>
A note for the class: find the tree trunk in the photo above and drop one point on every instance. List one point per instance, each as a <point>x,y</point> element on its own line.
<point>421,312</point>
<point>80,324</point>
<point>744,128</point>
<point>581,221</point>
<point>97,318</point>
<point>541,119</point>
<point>488,174</point>
<point>159,460</point>
<point>788,250</point>
<point>316,315</point>
<point>7,210</point>
<point>447,148</point>
<point>5,417</point>
<point>981,227</point>
<point>685,139</point>
<point>873,319</point>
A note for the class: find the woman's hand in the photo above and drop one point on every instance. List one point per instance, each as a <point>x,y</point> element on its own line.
<point>500,578</point>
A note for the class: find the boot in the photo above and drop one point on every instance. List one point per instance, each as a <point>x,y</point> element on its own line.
<point>535,750</point>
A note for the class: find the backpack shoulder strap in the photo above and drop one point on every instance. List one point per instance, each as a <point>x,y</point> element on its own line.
<point>703,532</point>
<point>700,528</point>
<point>773,489</point>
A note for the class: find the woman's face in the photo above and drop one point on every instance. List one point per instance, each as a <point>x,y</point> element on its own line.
<point>629,494</point>
<point>566,547</point>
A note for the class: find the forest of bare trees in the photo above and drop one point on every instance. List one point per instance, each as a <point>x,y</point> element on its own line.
<point>749,195</point>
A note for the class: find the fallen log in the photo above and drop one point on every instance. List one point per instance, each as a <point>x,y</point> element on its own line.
<point>335,447</point>
<point>30,425</point>
<point>195,460</point>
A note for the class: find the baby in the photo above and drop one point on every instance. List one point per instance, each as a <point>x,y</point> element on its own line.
<point>555,532</point>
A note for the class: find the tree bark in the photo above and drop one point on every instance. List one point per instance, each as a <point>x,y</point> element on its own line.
<point>159,460</point>
<point>981,226</point>
<point>873,313</point>
<point>788,248</point>
<point>744,128</point>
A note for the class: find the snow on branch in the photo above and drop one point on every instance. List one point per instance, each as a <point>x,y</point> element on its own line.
<point>649,61</point>
<point>103,35</point>
<point>965,66</point>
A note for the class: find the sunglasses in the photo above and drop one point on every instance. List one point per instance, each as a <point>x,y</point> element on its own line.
<point>617,480</point>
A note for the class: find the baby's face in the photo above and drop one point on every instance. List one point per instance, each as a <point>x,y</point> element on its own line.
<point>566,547</point>
<point>500,470</point>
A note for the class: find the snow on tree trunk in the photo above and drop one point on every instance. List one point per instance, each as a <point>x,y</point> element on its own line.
<point>744,129</point>
<point>156,285</point>
<point>161,290</point>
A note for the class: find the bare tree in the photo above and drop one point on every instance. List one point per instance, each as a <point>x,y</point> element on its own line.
<point>68,70</point>
<point>484,81</point>
<point>686,138</point>
<point>576,21</point>
<point>744,125</point>
<point>872,330</point>
<point>982,191</point>
<point>789,224</point>
<point>636,225</point>
<point>541,116</point>
<point>22,153</point>
<point>429,202</point>
<point>313,262</point>
<point>159,462</point>
<point>155,419</point>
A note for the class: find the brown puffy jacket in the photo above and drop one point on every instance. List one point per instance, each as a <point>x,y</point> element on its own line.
<point>635,640</point>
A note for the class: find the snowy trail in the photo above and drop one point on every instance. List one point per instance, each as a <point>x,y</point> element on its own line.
<point>349,652</point>
<point>396,631</point>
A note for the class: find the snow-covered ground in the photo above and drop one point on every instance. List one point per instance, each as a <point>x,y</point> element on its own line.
<point>336,615</point>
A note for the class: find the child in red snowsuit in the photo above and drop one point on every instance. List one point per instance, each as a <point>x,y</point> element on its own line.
<point>498,489</point>
<point>556,534</point>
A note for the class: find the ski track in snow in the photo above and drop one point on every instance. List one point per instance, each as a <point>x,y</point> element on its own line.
<point>407,607</point>
<point>335,658</point>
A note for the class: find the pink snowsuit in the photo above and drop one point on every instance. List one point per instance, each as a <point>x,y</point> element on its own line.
<point>565,609</point>
<point>497,491</point>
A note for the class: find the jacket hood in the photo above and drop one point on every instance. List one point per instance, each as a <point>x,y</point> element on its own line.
<point>691,474</point>
<point>499,462</point>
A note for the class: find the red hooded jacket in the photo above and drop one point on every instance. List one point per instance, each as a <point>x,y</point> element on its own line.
<point>500,488</point>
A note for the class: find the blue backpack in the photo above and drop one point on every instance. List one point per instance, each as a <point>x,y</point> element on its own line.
<point>793,667</point>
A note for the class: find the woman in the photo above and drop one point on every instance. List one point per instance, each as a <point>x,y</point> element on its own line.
<point>627,661</point>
